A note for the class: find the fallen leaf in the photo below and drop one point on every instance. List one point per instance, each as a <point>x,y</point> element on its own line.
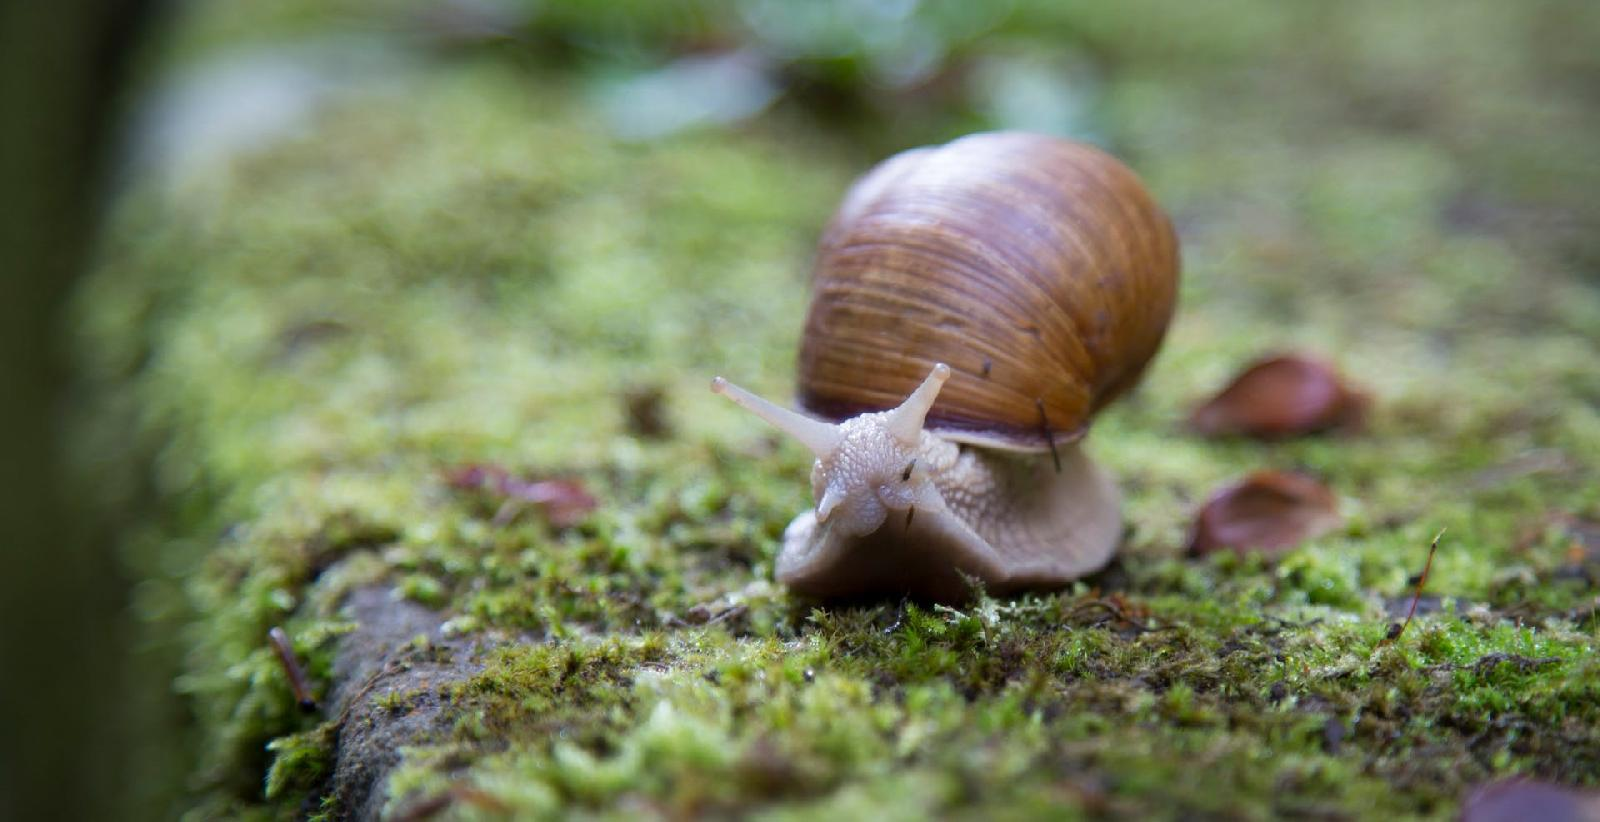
<point>563,502</point>
<point>1515,800</point>
<point>1269,511</point>
<point>473,476</point>
<point>1282,396</point>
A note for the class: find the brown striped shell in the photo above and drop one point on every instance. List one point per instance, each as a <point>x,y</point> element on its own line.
<point>1039,269</point>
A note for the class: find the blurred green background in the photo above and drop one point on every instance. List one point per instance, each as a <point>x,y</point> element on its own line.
<point>348,242</point>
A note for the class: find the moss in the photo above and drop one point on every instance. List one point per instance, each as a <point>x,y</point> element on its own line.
<point>310,341</point>
<point>300,761</point>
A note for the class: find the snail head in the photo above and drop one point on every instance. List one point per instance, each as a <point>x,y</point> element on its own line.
<point>866,466</point>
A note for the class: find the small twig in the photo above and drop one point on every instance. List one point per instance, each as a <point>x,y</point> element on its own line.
<point>292,669</point>
<point>1488,662</point>
<point>1116,612</point>
<point>1398,628</point>
<point>394,667</point>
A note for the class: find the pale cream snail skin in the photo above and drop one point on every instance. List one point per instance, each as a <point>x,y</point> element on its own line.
<point>901,508</point>
<point>1026,281</point>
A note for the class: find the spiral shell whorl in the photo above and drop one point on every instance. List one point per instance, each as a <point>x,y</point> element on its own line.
<point>1039,269</point>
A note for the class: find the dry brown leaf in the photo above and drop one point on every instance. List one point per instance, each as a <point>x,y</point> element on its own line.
<point>563,502</point>
<point>1267,511</point>
<point>1283,396</point>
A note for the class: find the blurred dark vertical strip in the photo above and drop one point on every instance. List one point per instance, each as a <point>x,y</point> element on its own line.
<point>63,66</point>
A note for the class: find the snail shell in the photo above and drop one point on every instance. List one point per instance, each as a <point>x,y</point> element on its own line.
<point>1025,281</point>
<point>1039,269</point>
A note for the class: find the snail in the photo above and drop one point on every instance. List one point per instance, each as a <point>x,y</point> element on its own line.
<point>973,306</point>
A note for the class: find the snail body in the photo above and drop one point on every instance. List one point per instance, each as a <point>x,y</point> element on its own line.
<point>1025,282</point>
